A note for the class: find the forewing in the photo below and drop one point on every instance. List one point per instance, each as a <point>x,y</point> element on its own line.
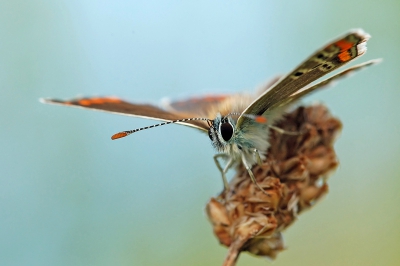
<point>118,106</point>
<point>325,83</point>
<point>204,104</point>
<point>329,58</point>
<point>197,105</point>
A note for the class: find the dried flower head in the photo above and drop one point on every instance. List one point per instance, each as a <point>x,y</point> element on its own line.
<point>293,175</point>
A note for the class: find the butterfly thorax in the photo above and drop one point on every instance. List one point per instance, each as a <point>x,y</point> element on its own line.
<point>250,138</point>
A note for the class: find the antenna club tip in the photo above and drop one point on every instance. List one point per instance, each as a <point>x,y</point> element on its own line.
<point>119,135</point>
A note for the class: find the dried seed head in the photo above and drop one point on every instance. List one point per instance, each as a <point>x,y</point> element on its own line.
<point>294,176</point>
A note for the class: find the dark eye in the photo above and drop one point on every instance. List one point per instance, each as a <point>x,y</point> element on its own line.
<point>226,130</point>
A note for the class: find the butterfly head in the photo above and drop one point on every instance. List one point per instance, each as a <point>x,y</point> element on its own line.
<point>221,131</point>
<point>228,138</point>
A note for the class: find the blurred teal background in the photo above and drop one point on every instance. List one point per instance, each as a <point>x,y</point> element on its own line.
<point>71,196</point>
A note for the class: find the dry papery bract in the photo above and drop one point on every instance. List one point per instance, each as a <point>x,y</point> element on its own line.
<point>294,176</point>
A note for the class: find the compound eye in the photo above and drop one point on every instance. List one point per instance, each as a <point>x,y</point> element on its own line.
<point>226,130</point>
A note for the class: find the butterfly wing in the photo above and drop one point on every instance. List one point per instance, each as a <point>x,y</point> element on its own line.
<point>197,105</point>
<point>118,106</point>
<point>204,105</point>
<point>329,58</point>
<point>325,83</point>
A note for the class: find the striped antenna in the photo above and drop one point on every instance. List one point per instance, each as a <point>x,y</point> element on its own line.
<point>127,133</point>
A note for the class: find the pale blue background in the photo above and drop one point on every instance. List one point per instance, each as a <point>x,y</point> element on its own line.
<point>71,196</point>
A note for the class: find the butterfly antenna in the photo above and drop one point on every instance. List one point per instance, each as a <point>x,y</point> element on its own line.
<point>128,132</point>
<point>258,118</point>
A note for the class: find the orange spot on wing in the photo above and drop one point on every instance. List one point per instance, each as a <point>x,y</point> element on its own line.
<point>344,56</point>
<point>260,119</point>
<point>344,45</point>
<point>91,101</point>
<point>119,135</point>
<point>84,102</point>
<point>96,101</point>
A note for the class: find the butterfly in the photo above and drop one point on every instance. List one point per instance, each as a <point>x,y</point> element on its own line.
<point>238,124</point>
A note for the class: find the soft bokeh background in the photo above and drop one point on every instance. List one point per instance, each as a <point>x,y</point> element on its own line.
<point>71,196</point>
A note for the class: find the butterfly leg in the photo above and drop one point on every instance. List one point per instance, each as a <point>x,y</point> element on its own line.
<point>253,179</point>
<point>257,155</point>
<point>225,169</point>
<point>282,131</point>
